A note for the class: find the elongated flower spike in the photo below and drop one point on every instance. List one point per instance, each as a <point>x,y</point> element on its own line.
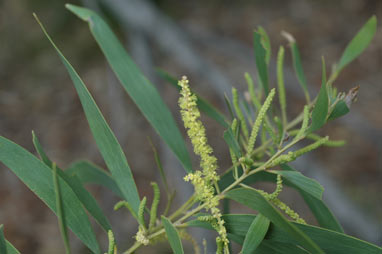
<point>203,180</point>
<point>259,120</point>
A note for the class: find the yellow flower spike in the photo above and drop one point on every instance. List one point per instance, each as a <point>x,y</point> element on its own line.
<point>204,180</point>
<point>259,120</point>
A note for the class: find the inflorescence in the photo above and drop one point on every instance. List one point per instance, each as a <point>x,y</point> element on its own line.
<point>204,179</point>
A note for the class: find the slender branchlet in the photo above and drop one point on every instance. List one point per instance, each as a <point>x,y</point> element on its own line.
<point>311,147</point>
<point>154,205</point>
<point>259,120</point>
<point>291,156</point>
<point>315,137</point>
<point>204,180</point>
<point>239,113</point>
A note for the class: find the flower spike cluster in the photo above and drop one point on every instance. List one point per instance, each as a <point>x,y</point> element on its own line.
<point>204,179</point>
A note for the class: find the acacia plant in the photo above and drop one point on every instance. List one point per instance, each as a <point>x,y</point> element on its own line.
<point>261,139</point>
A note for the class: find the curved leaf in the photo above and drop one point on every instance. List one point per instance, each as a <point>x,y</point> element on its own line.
<point>256,233</point>
<point>254,200</point>
<point>38,177</point>
<point>143,93</point>
<point>173,236</point>
<point>107,143</point>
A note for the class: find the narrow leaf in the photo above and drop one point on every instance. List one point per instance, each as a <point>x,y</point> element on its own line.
<point>203,105</point>
<point>230,139</point>
<point>261,65</point>
<point>321,107</point>
<point>107,143</point>
<point>38,177</point>
<point>143,93</point>
<point>87,200</point>
<point>60,211</point>
<point>358,44</point>
<point>297,65</point>
<point>88,173</point>
<point>256,201</point>
<point>3,245</point>
<point>173,236</point>
<point>331,242</point>
<point>269,246</point>
<point>41,151</point>
<point>256,233</point>
<point>266,43</point>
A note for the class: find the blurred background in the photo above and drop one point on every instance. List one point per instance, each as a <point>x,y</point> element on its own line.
<point>211,43</point>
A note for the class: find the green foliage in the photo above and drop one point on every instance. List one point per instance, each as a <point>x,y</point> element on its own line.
<point>143,93</point>
<point>173,236</point>
<point>256,233</point>
<point>3,246</point>
<point>276,229</point>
